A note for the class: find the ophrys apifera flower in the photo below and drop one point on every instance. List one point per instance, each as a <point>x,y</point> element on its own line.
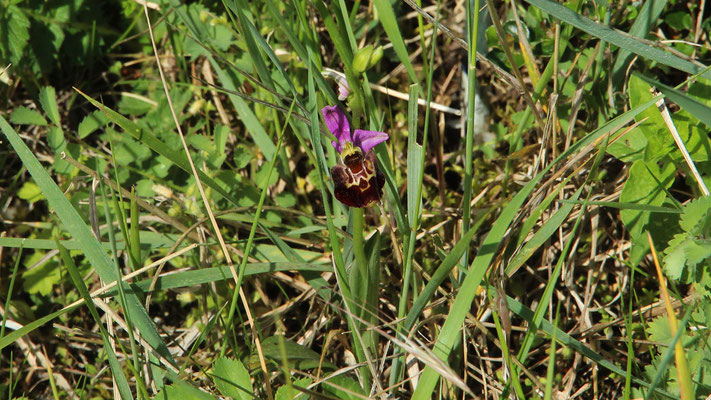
<point>357,182</point>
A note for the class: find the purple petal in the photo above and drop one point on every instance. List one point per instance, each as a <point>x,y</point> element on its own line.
<point>336,146</point>
<point>337,123</point>
<point>366,140</point>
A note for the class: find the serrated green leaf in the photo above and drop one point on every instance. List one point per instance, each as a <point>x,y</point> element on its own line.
<point>90,123</point>
<point>658,330</point>
<point>48,100</point>
<point>242,157</point>
<point>291,393</point>
<point>675,256</point>
<point>696,252</point>
<point>18,35</point>
<point>25,116</point>
<point>232,378</point>
<point>696,214</point>
<point>55,139</point>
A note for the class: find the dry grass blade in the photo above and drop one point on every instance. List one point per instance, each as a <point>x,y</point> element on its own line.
<point>684,376</point>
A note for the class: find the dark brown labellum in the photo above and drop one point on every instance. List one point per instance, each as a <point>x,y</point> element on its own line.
<point>358,183</point>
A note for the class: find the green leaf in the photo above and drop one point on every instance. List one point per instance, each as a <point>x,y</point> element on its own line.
<point>679,20</point>
<point>25,116</point>
<point>630,147</point>
<point>653,127</point>
<point>15,25</point>
<point>48,99</point>
<point>182,391</point>
<point>30,192</point>
<point>343,388</point>
<point>242,157</point>
<point>695,216</point>
<point>298,356</point>
<point>675,256</point>
<point>646,184</point>
<point>232,378</point>
<point>55,139</point>
<point>90,123</point>
<point>693,106</point>
<point>287,392</point>
<point>42,278</point>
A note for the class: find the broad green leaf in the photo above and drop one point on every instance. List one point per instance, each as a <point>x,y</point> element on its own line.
<point>30,192</point>
<point>646,185</point>
<point>241,157</point>
<point>25,116</point>
<point>630,147</point>
<point>688,103</point>
<point>42,278</point>
<point>232,378</point>
<point>659,140</point>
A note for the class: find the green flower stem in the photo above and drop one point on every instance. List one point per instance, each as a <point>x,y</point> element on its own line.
<point>360,286</point>
<point>358,249</point>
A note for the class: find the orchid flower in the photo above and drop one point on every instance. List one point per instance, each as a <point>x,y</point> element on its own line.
<point>357,182</point>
